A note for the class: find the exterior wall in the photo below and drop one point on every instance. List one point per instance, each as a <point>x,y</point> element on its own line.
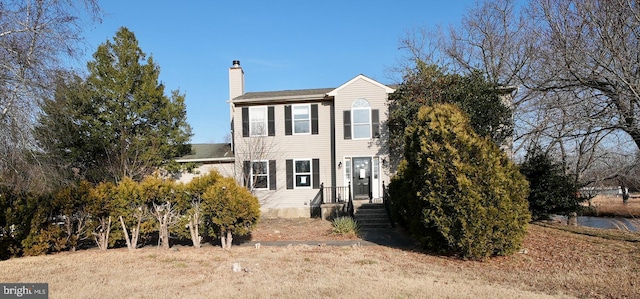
<point>284,202</point>
<point>223,168</point>
<point>375,147</point>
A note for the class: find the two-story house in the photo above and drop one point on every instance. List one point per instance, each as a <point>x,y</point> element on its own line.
<point>289,144</point>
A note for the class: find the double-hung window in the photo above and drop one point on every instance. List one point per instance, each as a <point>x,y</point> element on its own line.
<point>302,173</point>
<point>260,174</point>
<point>361,119</point>
<point>301,119</point>
<point>361,122</point>
<point>258,121</point>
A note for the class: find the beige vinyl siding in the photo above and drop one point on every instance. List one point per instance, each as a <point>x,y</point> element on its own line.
<point>236,82</point>
<point>224,168</point>
<point>377,97</point>
<point>282,148</point>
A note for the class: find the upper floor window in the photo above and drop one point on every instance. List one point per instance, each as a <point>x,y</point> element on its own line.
<point>361,112</point>
<point>301,119</point>
<point>361,122</point>
<point>258,121</point>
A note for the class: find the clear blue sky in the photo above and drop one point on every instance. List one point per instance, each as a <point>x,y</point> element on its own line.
<point>280,44</point>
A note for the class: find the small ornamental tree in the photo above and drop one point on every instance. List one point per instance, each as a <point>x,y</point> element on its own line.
<point>132,210</point>
<point>552,191</point>
<point>71,209</point>
<point>193,205</point>
<point>231,210</point>
<point>456,191</point>
<point>162,196</point>
<point>102,210</point>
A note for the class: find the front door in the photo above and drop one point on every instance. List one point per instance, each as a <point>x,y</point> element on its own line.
<point>361,178</point>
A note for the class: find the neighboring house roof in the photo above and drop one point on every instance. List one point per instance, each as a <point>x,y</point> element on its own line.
<point>208,152</point>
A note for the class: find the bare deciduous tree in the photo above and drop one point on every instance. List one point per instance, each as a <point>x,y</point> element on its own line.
<point>575,62</point>
<point>593,50</point>
<point>34,38</point>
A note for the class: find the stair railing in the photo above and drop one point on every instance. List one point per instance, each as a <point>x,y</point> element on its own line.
<point>387,203</point>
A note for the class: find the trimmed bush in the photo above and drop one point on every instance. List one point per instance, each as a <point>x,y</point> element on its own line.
<point>457,192</point>
<point>230,210</point>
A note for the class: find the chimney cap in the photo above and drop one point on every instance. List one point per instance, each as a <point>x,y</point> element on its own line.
<point>236,63</point>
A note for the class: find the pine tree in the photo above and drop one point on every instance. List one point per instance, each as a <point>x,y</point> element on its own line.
<point>118,121</point>
<point>456,191</point>
<point>552,191</point>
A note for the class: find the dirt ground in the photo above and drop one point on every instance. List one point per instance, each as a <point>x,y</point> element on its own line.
<point>296,229</point>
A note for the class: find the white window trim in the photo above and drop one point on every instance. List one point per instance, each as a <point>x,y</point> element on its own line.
<point>253,186</point>
<point>293,118</point>
<point>347,169</point>
<point>295,174</point>
<point>353,123</point>
<point>264,124</point>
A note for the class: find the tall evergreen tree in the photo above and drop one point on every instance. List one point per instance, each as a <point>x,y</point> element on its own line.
<point>456,191</point>
<point>118,122</point>
<point>552,191</point>
<point>428,84</point>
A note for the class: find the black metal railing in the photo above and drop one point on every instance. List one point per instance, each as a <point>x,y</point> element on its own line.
<point>334,194</point>
<point>327,195</point>
<point>317,200</point>
<point>387,203</point>
<point>350,208</point>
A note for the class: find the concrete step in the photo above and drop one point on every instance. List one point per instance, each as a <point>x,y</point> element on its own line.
<point>371,215</point>
<point>373,221</point>
<point>370,211</point>
<point>373,225</point>
<point>367,205</point>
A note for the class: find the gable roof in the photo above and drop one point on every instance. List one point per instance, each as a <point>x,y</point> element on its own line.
<point>297,95</point>
<point>387,89</point>
<point>283,95</point>
<point>208,152</point>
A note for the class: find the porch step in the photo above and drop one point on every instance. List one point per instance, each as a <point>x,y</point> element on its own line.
<point>371,215</point>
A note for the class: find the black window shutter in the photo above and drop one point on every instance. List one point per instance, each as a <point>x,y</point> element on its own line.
<point>289,167</point>
<point>314,119</point>
<point>375,123</point>
<point>316,173</point>
<point>287,120</point>
<point>347,124</point>
<point>245,122</point>
<point>271,122</point>
<point>272,174</point>
<point>246,170</point>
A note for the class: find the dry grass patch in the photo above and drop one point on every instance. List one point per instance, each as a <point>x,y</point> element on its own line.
<point>298,229</point>
<point>557,263</point>
<point>613,206</point>
<point>270,272</point>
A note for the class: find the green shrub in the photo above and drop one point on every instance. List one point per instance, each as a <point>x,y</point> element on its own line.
<point>552,191</point>
<point>457,192</point>
<point>345,226</point>
<point>230,210</point>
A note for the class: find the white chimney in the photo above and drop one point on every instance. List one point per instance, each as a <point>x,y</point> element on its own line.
<point>236,80</point>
